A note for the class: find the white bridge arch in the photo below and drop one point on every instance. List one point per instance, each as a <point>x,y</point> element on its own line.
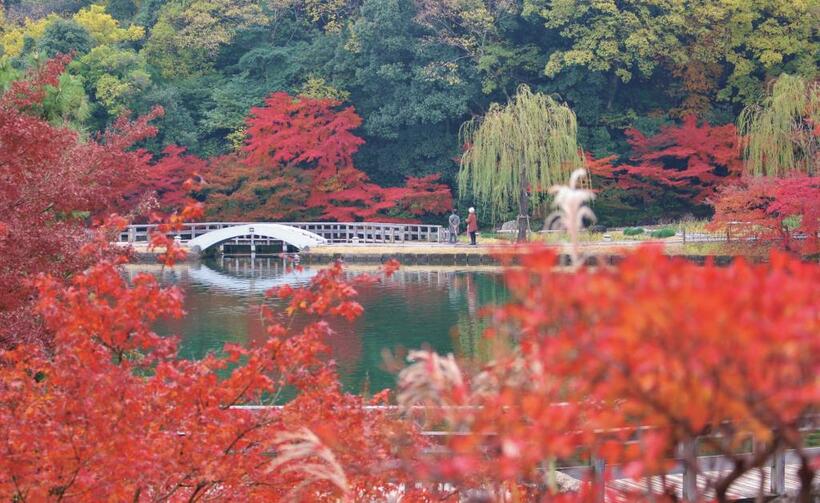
<point>293,236</point>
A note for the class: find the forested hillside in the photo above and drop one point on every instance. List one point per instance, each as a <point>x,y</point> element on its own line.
<point>656,84</point>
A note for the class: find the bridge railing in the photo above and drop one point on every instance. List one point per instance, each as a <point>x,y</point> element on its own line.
<point>333,232</point>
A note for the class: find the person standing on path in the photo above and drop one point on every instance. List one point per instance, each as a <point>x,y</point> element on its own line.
<point>454,222</point>
<point>472,225</point>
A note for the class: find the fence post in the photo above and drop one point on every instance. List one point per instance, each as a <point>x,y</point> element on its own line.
<point>598,479</point>
<point>689,487</point>
<point>777,475</point>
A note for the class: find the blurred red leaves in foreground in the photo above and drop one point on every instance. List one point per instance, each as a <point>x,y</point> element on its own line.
<point>627,363</point>
<point>622,363</point>
<point>113,414</point>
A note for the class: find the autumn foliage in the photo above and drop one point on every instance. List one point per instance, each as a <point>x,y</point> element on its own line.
<point>688,162</point>
<point>50,182</point>
<point>622,363</point>
<point>768,208</point>
<point>115,415</point>
<point>297,164</point>
<point>627,364</point>
<point>165,178</point>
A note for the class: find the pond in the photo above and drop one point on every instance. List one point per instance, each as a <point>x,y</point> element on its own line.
<point>436,308</point>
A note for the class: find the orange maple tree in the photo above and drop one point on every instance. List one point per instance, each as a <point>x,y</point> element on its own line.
<point>626,364</point>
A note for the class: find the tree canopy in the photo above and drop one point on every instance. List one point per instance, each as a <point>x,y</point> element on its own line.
<point>415,70</point>
<point>782,133</point>
<point>516,152</point>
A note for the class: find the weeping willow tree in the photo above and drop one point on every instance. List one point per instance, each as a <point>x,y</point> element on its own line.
<point>517,152</point>
<point>780,135</point>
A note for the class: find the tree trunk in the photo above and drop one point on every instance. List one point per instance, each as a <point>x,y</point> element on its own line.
<point>613,90</point>
<point>806,476</point>
<point>523,208</point>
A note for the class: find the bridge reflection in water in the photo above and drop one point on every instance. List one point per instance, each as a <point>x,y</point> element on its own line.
<point>250,274</point>
<point>438,308</point>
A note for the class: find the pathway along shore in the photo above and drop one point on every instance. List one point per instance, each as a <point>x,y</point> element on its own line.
<point>459,254</point>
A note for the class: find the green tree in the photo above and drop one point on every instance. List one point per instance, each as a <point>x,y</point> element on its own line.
<point>491,34</point>
<point>66,103</point>
<point>148,12</point>
<point>518,151</point>
<point>715,49</point>
<point>122,10</point>
<point>63,36</point>
<point>621,39</point>
<point>188,34</point>
<point>317,87</point>
<point>104,29</point>
<point>114,76</point>
<point>411,100</point>
<point>13,36</point>
<point>766,38</point>
<point>781,135</point>
<point>178,126</point>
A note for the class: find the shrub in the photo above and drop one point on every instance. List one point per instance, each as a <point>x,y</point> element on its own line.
<point>666,232</point>
<point>633,231</point>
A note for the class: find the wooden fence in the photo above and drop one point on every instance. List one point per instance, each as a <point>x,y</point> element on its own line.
<point>778,478</point>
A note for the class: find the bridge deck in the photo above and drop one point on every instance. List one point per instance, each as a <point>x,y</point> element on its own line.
<point>332,232</point>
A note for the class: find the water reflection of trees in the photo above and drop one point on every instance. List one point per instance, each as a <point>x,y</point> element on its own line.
<point>467,293</point>
<point>416,307</point>
<point>480,291</point>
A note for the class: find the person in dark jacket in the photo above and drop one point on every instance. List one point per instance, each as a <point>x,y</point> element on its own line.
<point>472,225</point>
<point>454,222</point>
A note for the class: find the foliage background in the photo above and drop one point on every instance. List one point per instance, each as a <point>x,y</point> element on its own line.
<point>414,70</point>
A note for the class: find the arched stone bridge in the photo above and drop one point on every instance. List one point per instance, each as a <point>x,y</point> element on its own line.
<point>292,235</point>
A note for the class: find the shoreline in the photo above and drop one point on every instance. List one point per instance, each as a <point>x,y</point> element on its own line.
<point>435,254</point>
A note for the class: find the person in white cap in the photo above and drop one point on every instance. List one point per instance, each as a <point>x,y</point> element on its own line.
<point>472,225</point>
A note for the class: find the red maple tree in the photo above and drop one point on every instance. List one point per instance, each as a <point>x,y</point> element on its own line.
<point>165,178</point>
<point>761,207</point>
<point>306,132</point>
<point>688,162</point>
<point>693,158</point>
<point>50,182</point>
<point>299,165</point>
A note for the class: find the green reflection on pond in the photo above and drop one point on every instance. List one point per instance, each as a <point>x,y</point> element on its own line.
<point>435,308</point>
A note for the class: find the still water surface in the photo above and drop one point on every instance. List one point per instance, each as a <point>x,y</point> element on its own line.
<point>439,308</point>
